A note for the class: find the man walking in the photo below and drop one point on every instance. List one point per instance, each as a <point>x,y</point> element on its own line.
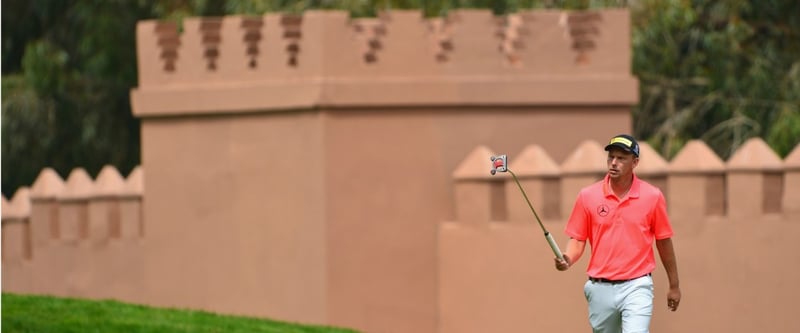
<point>620,216</point>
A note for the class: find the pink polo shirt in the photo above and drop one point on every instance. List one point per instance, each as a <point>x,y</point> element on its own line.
<point>620,232</point>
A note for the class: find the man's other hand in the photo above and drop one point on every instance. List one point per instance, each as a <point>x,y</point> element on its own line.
<point>563,264</point>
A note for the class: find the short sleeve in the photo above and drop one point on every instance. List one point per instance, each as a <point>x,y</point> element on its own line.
<point>578,223</point>
<point>662,229</point>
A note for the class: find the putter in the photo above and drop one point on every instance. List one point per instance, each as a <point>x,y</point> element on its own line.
<point>500,164</point>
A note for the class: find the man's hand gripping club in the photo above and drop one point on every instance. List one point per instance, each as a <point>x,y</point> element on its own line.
<point>574,252</point>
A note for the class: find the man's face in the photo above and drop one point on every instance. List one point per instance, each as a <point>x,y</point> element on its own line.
<point>621,163</point>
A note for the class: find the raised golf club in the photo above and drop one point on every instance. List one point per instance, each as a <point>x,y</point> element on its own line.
<point>500,164</point>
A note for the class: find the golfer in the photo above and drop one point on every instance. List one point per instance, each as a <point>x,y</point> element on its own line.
<point>620,216</point>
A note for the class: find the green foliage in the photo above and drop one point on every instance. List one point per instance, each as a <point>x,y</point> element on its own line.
<point>65,99</point>
<point>722,71</point>
<point>30,119</point>
<point>23,313</point>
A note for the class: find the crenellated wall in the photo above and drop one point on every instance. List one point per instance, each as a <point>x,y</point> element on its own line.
<point>326,59</point>
<point>79,237</point>
<point>754,182</point>
<point>735,223</point>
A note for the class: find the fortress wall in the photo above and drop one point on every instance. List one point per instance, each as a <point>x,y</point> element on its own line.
<point>67,238</point>
<point>493,267</point>
<point>234,215</point>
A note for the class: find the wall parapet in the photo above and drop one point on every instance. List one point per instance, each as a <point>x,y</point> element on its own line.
<point>54,212</point>
<point>15,229</point>
<point>697,183</point>
<point>325,58</point>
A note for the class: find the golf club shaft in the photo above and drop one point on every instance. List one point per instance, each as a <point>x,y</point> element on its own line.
<point>528,201</point>
<point>547,234</point>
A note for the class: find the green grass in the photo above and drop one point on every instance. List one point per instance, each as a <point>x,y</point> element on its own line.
<point>41,314</point>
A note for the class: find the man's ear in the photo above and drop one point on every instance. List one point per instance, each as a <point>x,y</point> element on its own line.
<point>635,161</point>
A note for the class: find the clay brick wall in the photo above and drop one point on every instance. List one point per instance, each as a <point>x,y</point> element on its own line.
<point>84,238</point>
<point>77,238</point>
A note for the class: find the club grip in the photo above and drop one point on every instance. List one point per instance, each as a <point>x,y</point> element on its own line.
<point>553,245</point>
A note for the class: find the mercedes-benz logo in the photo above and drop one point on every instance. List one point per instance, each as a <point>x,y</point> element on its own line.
<point>602,210</point>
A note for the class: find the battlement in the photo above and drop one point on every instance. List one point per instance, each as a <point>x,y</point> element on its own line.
<point>76,212</point>
<point>325,58</point>
<point>753,184</point>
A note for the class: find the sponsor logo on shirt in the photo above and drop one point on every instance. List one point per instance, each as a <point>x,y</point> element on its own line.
<point>603,210</point>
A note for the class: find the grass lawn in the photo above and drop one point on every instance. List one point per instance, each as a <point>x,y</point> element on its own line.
<point>41,314</point>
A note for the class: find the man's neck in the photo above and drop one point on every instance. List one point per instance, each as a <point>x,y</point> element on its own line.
<point>621,186</point>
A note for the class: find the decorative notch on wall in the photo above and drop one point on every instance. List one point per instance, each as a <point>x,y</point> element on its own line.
<point>210,30</point>
<point>252,35</point>
<point>511,31</point>
<point>583,30</point>
<point>292,33</point>
<point>371,31</point>
<point>441,30</point>
<point>168,42</point>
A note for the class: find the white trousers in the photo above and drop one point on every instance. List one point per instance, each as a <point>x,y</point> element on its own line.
<point>620,307</point>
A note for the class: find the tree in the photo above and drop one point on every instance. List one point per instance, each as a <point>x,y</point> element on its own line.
<point>722,71</point>
<point>67,70</point>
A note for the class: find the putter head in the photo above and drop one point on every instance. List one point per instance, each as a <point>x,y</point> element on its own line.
<point>499,163</point>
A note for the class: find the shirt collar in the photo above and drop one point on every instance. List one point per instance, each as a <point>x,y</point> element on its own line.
<point>632,193</point>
